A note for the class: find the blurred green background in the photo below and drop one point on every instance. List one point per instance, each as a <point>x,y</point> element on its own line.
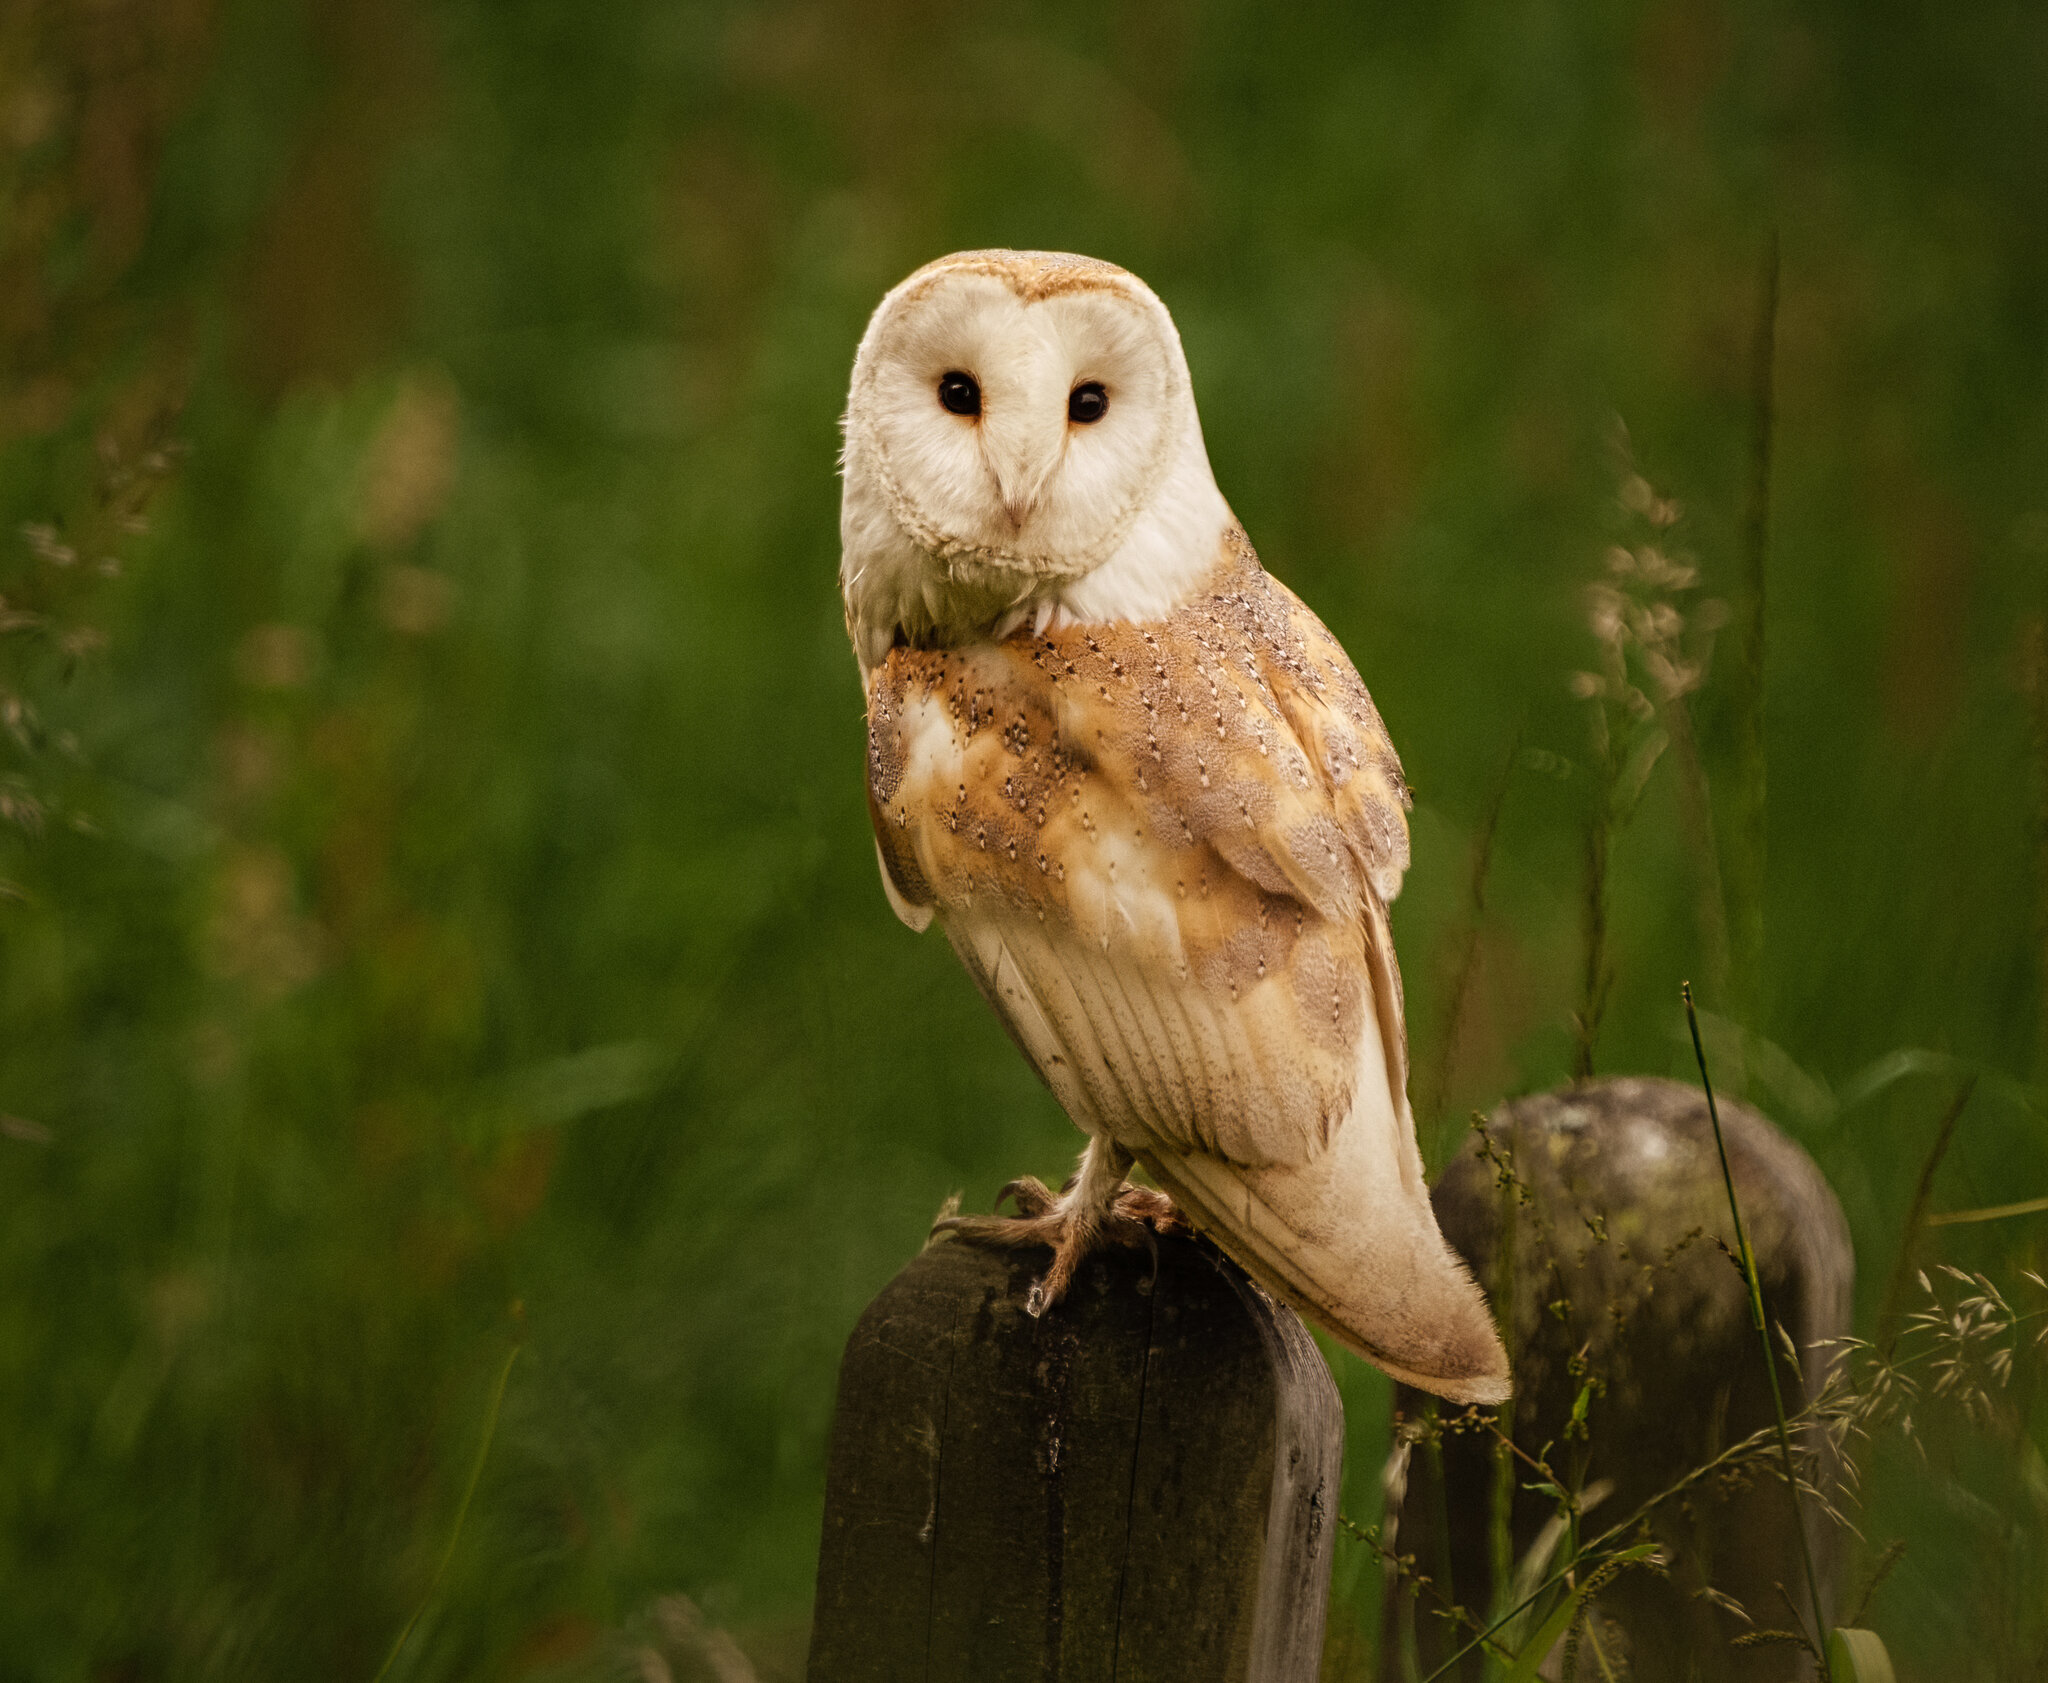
<point>439,910</point>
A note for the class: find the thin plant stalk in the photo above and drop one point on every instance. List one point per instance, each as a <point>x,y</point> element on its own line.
<point>1485,1637</point>
<point>1995,1212</point>
<point>1593,983</point>
<point>1468,956</point>
<point>1411,1598</point>
<point>2034,672</point>
<point>1916,1218</point>
<point>476,1473</point>
<point>1756,1317</point>
<point>1696,806</point>
<point>1698,1475</point>
<point>1440,1519</point>
<point>1748,932</point>
<point>1500,1536</point>
<point>1691,1480</point>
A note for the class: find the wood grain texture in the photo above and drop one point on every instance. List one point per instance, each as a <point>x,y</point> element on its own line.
<point>1142,1485</point>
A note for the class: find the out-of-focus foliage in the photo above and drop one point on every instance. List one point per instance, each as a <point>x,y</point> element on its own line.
<point>438,904</point>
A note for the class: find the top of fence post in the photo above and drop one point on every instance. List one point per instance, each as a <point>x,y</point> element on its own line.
<point>1140,1486</point>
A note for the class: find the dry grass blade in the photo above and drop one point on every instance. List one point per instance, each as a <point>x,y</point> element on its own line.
<point>1994,1212</point>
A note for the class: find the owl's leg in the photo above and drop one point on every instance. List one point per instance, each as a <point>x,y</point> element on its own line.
<point>1084,1207</point>
<point>1098,1206</point>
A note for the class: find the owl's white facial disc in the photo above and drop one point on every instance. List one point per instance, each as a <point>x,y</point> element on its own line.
<point>1017,423</point>
<point>1018,479</point>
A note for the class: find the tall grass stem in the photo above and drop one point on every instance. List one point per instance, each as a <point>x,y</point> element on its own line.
<point>1916,1218</point>
<point>2034,676</point>
<point>476,1473</point>
<point>1593,981</point>
<point>1500,1534</point>
<point>1747,941</point>
<point>1696,806</point>
<point>1763,1334</point>
<point>1468,955</point>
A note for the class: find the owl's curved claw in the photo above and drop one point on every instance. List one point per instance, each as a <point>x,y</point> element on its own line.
<point>1150,1209</point>
<point>1030,1194</point>
<point>1070,1225</point>
<point>1003,1232</point>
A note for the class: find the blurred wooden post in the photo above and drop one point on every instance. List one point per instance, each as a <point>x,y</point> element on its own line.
<point>1139,1487</point>
<point>1617,1278</point>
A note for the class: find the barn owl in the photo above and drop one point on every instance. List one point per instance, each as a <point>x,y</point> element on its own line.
<point>1147,798</point>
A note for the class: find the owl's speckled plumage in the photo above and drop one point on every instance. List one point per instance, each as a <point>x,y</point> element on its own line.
<point>1143,791</point>
<point>1161,837</point>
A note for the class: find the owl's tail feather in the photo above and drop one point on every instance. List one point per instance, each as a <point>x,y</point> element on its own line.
<point>1350,1241</point>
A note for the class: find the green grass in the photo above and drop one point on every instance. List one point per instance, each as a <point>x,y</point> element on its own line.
<point>440,879</point>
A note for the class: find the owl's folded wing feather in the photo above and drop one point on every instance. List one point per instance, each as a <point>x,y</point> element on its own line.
<point>1161,852</point>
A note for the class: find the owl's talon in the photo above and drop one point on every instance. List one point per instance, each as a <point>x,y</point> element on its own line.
<point>1070,1225</point>
<point>1150,1209</point>
<point>1030,1194</point>
<point>1004,1232</point>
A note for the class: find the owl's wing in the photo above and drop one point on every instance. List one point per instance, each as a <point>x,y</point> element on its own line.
<point>1325,701</point>
<point>1162,852</point>
<point>1322,697</point>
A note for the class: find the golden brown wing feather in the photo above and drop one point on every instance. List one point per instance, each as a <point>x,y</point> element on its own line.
<point>1164,853</point>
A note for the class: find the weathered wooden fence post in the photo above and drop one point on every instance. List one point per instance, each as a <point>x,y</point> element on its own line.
<point>1141,1487</point>
<point>1610,1197</point>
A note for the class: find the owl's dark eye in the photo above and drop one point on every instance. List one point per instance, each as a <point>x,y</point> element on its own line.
<point>959,394</point>
<point>1087,402</point>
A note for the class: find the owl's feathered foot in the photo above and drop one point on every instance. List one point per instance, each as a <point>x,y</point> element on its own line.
<point>1096,1207</point>
<point>1129,1203</point>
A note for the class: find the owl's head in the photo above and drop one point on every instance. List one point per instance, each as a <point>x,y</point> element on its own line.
<point>1020,435</point>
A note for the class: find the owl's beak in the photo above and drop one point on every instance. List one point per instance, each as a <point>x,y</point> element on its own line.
<point>1020,471</point>
<point>1024,436</point>
<point>1017,509</point>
